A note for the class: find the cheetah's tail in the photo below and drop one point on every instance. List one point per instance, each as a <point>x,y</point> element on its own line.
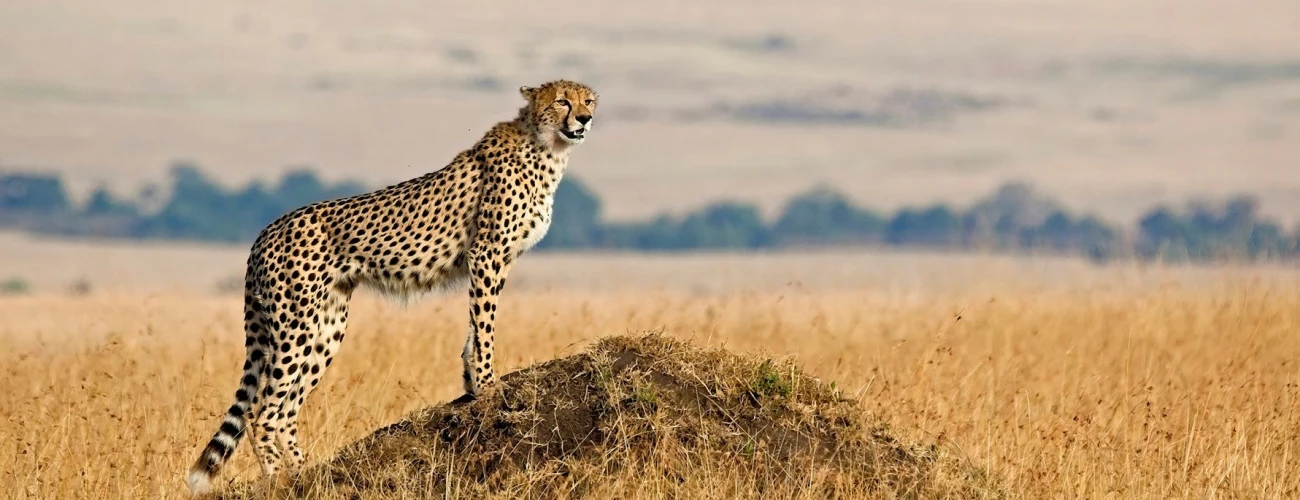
<point>223,443</point>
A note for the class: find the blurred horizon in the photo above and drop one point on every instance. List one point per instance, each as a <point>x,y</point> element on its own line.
<point>1114,106</point>
<point>716,118</point>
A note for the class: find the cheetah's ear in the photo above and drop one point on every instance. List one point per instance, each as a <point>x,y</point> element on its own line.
<point>528,92</point>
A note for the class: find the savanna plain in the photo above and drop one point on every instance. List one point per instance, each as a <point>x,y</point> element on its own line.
<point>1127,383</point>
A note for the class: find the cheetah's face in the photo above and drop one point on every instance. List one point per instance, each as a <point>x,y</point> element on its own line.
<point>562,109</point>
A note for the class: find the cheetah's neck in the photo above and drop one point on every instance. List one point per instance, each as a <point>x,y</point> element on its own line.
<point>548,143</point>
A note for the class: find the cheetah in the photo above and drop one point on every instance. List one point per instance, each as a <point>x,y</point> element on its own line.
<point>463,224</point>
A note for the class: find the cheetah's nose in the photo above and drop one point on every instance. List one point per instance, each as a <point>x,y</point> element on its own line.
<point>583,119</point>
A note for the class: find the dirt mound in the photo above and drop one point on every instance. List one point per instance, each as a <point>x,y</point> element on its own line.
<point>637,416</point>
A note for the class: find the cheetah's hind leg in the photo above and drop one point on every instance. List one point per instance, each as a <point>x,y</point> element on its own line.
<point>323,344</point>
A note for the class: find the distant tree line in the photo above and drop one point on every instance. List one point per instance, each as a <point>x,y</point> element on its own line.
<point>194,207</point>
<point>1014,218</point>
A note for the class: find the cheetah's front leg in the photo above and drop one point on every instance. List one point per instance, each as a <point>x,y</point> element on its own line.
<point>489,264</point>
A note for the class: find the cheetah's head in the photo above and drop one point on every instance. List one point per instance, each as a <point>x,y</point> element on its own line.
<point>561,110</point>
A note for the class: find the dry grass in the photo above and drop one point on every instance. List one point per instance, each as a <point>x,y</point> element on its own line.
<point>1150,393</point>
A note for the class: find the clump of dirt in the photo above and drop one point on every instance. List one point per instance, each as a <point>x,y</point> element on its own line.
<point>638,416</point>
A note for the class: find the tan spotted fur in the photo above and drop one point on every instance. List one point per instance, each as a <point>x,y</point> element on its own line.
<point>466,223</point>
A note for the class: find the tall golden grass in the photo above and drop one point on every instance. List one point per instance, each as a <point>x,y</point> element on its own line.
<point>1152,393</point>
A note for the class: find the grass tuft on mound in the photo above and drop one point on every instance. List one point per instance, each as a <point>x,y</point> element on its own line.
<point>638,417</point>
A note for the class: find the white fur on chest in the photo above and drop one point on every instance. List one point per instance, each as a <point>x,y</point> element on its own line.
<point>543,204</point>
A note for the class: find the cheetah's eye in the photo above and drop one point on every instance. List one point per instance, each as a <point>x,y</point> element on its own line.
<point>589,101</point>
<point>563,102</point>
